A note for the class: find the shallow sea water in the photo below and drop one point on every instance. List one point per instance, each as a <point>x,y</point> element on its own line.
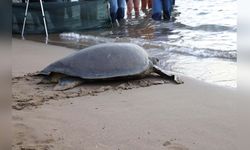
<point>199,41</point>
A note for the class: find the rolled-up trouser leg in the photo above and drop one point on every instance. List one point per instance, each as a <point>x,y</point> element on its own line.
<point>121,9</point>
<point>157,9</point>
<point>113,9</point>
<point>167,9</point>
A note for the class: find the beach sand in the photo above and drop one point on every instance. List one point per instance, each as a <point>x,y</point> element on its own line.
<point>146,114</point>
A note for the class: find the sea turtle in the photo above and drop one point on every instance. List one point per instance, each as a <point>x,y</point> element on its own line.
<point>103,62</point>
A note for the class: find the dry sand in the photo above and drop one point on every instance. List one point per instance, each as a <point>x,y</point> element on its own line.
<point>147,114</point>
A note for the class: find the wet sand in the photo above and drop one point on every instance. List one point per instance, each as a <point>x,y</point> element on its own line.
<point>146,114</point>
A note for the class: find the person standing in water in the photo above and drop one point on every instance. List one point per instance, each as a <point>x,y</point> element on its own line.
<point>117,9</point>
<point>146,4</point>
<point>162,8</point>
<point>130,4</point>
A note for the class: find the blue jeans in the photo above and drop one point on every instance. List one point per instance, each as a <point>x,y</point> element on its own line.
<point>162,7</point>
<point>117,9</point>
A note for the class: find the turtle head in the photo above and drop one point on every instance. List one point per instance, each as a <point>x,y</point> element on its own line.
<point>154,60</point>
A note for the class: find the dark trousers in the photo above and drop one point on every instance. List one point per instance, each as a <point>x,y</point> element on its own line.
<point>162,7</point>
<point>117,9</point>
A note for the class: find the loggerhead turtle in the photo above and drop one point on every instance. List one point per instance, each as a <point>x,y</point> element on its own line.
<point>103,62</point>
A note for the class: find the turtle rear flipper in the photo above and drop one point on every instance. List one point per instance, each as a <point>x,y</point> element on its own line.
<point>167,74</point>
<point>52,78</point>
<point>66,83</point>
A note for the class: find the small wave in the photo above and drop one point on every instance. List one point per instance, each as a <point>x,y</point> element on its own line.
<point>163,46</point>
<point>85,38</point>
<point>214,28</point>
<point>208,27</point>
<point>206,53</point>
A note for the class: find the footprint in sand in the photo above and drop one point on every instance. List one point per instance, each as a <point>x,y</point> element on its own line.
<point>174,146</point>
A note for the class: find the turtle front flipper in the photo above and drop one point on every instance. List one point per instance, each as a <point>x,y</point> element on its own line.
<point>66,83</point>
<point>167,74</point>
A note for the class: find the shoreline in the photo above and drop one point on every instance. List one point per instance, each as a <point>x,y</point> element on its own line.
<point>56,41</point>
<point>195,115</point>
